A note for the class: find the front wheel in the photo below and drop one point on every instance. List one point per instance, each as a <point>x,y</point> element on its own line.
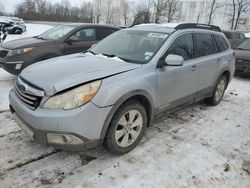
<point>126,128</point>
<point>218,92</point>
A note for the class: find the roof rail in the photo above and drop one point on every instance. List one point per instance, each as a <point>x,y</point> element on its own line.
<point>198,26</point>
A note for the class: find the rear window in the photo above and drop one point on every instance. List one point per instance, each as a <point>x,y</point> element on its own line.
<point>221,43</point>
<point>205,44</point>
<point>234,35</point>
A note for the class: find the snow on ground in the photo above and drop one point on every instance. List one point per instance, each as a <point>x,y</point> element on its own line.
<point>32,30</point>
<point>248,35</point>
<point>6,79</point>
<point>198,146</point>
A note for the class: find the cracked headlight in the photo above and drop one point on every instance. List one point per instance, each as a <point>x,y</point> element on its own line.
<point>19,52</point>
<point>73,98</point>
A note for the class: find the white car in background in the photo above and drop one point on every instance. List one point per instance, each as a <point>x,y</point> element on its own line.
<point>13,25</point>
<point>248,35</point>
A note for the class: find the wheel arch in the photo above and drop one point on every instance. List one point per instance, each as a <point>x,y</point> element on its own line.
<point>225,72</point>
<point>139,95</point>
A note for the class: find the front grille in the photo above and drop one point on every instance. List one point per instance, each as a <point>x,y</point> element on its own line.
<point>3,53</point>
<point>242,62</point>
<point>22,90</point>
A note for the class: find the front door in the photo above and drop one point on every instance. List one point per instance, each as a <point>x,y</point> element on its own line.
<point>178,85</point>
<point>87,37</point>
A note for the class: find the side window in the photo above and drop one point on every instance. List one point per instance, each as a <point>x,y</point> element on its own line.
<point>228,35</point>
<point>205,44</point>
<point>242,36</point>
<point>221,43</point>
<point>86,34</point>
<point>103,32</point>
<point>183,46</point>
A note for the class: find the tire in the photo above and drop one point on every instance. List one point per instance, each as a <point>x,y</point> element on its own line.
<point>17,31</point>
<point>121,136</point>
<point>218,92</point>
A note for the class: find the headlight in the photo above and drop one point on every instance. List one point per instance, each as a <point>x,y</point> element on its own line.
<point>73,98</point>
<point>20,51</point>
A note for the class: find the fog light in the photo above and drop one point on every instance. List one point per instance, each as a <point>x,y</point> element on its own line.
<point>18,66</point>
<point>63,139</point>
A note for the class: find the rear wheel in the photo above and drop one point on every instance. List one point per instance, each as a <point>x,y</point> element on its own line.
<point>218,92</point>
<point>126,128</point>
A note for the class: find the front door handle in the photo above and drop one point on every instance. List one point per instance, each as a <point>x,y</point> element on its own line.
<point>194,68</point>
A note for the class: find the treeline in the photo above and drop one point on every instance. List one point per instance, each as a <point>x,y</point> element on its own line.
<point>45,10</point>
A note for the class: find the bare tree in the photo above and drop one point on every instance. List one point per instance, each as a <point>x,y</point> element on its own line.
<point>97,10</point>
<point>1,9</point>
<point>173,6</point>
<point>160,7</point>
<point>166,9</point>
<point>63,11</point>
<point>240,7</point>
<point>214,6</point>
<point>142,13</point>
<point>125,9</point>
<point>41,6</point>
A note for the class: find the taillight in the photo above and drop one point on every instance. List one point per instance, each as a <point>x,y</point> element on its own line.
<point>234,55</point>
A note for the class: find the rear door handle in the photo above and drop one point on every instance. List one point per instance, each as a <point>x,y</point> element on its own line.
<point>194,68</point>
<point>218,61</point>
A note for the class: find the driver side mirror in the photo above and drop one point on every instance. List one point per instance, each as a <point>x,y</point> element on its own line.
<point>72,39</point>
<point>173,60</point>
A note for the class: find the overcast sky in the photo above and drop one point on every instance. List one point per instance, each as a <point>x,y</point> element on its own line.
<point>9,5</point>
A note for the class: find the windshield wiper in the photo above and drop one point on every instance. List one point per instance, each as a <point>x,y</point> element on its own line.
<point>38,37</point>
<point>109,55</point>
<point>124,59</point>
<point>242,49</point>
<point>90,51</point>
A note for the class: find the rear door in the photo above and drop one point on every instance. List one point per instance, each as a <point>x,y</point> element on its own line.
<point>103,32</point>
<point>208,62</point>
<point>86,36</point>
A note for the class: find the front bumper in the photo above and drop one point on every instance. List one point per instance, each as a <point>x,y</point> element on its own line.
<point>85,123</point>
<point>16,64</point>
<point>242,66</point>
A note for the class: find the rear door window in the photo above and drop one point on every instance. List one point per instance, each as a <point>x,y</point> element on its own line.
<point>221,43</point>
<point>103,32</point>
<point>205,44</point>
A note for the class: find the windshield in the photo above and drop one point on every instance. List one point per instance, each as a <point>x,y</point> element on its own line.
<point>131,46</point>
<point>245,45</point>
<point>56,32</point>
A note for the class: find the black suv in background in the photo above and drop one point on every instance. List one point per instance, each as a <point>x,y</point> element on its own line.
<point>60,40</point>
<point>234,38</point>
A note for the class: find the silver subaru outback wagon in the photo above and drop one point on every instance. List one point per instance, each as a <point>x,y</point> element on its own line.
<point>111,93</point>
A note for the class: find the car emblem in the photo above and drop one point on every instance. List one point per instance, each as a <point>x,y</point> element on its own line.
<point>21,87</point>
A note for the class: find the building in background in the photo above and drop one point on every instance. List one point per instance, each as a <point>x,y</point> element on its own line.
<point>198,11</point>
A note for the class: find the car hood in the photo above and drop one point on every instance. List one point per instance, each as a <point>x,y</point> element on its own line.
<point>57,74</point>
<point>242,54</point>
<point>25,42</point>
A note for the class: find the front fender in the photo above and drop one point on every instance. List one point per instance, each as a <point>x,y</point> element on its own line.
<point>120,101</point>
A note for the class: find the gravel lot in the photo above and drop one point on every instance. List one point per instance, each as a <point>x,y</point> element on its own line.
<point>199,146</point>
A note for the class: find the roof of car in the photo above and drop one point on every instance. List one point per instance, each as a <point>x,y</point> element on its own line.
<point>89,24</point>
<point>154,28</point>
<point>232,31</point>
<point>171,27</point>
